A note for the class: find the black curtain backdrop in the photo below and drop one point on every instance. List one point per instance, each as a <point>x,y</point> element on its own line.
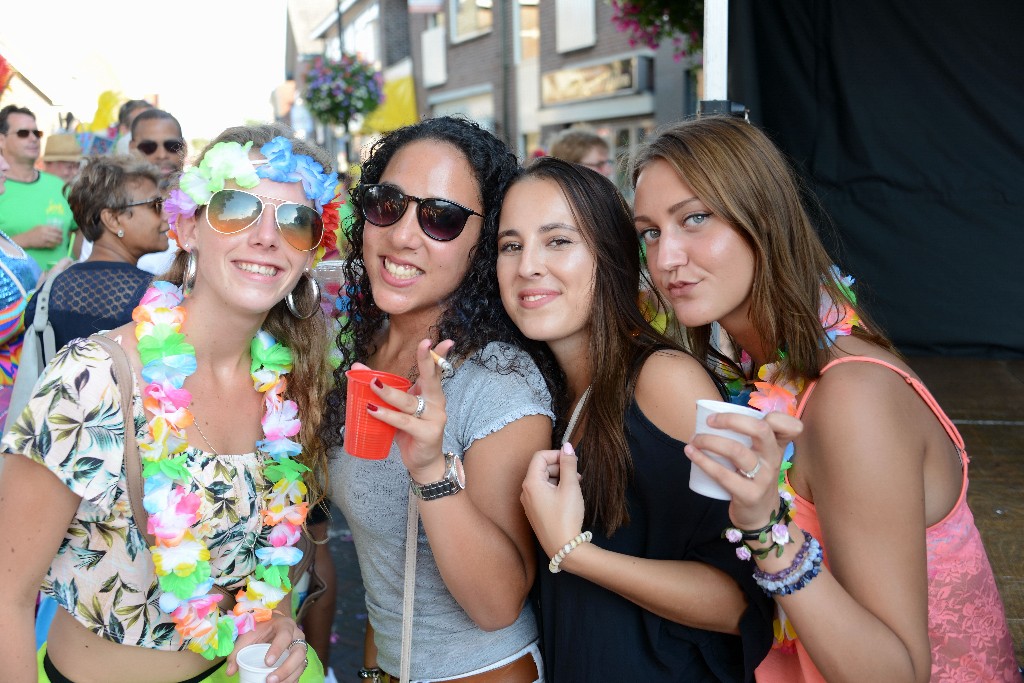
<point>906,119</point>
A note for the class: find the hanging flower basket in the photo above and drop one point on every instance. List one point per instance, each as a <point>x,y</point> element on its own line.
<point>652,22</point>
<point>338,91</point>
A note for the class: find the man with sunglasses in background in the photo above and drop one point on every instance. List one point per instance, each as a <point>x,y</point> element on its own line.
<point>33,210</point>
<point>156,136</point>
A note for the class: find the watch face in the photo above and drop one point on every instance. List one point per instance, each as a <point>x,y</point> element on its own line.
<point>460,473</point>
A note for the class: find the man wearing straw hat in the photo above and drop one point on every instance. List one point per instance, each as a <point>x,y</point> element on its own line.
<point>62,156</point>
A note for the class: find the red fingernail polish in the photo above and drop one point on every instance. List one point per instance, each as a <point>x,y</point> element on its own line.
<point>377,383</point>
<point>372,408</point>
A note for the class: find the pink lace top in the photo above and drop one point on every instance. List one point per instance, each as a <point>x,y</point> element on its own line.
<point>966,623</point>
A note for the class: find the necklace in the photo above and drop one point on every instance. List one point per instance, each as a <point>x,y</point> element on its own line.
<point>576,414</point>
<point>195,423</point>
<point>180,555</point>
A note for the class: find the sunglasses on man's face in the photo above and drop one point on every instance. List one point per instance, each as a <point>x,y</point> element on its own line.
<point>25,132</point>
<point>440,219</point>
<point>148,147</point>
<point>231,211</point>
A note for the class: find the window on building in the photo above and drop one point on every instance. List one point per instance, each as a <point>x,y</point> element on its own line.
<point>471,18</point>
<point>529,29</point>
<point>575,24</point>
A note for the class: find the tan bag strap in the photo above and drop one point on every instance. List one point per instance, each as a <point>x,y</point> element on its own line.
<point>125,380</point>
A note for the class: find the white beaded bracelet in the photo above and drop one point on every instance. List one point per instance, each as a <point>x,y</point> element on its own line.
<point>584,537</point>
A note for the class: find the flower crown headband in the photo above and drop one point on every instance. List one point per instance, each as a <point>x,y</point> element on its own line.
<point>230,161</point>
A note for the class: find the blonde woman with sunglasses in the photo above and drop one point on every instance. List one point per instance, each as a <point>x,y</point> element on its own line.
<point>228,360</point>
<point>421,278</point>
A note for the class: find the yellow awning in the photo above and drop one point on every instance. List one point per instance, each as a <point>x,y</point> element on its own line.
<point>399,108</point>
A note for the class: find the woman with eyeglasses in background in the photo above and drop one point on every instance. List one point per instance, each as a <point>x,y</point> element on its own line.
<point>118,207</point>
<point>229,368</point>
<point>421,277</point>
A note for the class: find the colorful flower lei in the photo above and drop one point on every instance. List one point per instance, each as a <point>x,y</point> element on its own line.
<point>774,393</point>
<point>180,555</point>
<point>231,161</point>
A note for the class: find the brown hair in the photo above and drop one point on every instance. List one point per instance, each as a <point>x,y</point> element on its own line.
<point>620,337</point>
<point>103,184</point>
<point>308,339</point>
<point>572,144</point>
<point>745,180</point>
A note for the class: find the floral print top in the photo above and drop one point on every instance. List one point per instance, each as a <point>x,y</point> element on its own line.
<point>103,572</point>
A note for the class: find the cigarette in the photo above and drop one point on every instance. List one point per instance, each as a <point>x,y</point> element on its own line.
<point>446,367</point>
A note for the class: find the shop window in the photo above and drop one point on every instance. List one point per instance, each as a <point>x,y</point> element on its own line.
<point>529,30</point>
<point>575,24</point>
<point>471,18</point>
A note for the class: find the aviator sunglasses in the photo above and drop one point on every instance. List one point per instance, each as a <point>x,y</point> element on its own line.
<point>231,211</point>
<point>440,219</point>
<point>148,147</point>
<point>25,132</point>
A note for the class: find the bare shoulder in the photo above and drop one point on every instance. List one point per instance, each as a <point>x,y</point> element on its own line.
<point>667,391</point>
<point>863,416</point>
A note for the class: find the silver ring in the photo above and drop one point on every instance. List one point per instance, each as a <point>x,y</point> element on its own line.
<point>421,405</point>
<point>299,640</point>
<point>752,473</point>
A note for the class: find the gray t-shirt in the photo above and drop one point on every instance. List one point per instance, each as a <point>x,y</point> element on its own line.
<point>373,495</point>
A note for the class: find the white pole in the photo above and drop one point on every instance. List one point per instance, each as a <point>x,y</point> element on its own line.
<point>716,49</point>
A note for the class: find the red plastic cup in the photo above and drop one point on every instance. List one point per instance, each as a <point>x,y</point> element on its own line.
<point>366,436</point>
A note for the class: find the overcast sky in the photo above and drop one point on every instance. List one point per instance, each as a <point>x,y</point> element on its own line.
<point>213,63</point>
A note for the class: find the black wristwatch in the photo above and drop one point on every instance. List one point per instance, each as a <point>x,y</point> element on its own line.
<point>454,481</point>
<point>375,674</point>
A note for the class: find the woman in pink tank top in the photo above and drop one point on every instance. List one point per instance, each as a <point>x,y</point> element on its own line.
<point>851,502</point>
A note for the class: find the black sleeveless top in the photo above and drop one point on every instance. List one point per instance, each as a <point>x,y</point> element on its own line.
<point>90,297</point>
<point>589,633</point>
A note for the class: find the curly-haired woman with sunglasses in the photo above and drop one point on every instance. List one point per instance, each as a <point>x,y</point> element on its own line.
<point>117,206</point>
<point>420,278</point>
<point>228,362</point>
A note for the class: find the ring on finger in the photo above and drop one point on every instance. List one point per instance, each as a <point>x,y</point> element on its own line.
<point>750,474</point>
<point>421,405</point>
<point>299,640</point>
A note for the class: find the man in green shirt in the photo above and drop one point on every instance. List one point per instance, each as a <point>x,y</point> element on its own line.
<point>33,210</point>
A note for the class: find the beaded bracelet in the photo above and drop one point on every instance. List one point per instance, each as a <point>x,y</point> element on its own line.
<point>806,565</point>
<point>584,537</point>
<point>777,529</point>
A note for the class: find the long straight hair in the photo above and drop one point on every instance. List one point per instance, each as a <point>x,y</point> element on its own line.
<point>620,338</point>
<point>745,180</point>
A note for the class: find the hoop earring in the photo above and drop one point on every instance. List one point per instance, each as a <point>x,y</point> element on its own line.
<point>314,287</point>
<point>189,279</point>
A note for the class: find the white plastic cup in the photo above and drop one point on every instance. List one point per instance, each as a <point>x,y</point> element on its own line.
<point>700,482</point>
<point>252,666</point>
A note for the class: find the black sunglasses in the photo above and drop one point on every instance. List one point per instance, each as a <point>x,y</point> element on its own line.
<point>147,147</point>
<point>157,202</point>
<point>25,132</point>
<point>440,219</point>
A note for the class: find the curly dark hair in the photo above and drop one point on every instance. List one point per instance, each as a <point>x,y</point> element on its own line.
<point>472,315</point>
